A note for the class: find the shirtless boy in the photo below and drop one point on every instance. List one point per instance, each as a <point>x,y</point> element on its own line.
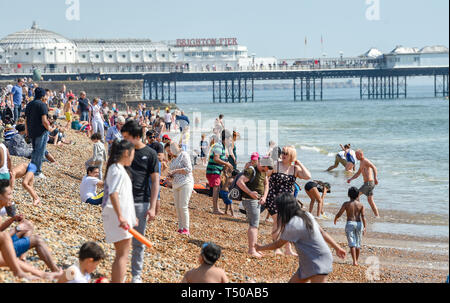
<point>353,229</point>
<point>369,172</point>
<point>68,111</point>
<point>207,272</point>
<point>26,171</point>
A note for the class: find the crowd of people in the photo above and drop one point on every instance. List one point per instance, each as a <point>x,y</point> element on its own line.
<point>134,156</point>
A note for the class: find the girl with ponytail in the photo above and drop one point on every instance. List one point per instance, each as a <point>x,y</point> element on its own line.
<point>118,208</point>
<point>299,227</point>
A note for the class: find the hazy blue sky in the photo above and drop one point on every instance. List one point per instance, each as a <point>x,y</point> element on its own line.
<point>267,28</point>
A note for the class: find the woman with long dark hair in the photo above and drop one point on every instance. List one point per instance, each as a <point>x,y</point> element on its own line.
<point>298,226</point>
<point>118,208</point>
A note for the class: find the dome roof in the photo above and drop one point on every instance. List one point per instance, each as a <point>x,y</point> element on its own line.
<point>434,49</point>
<point>36,38</point>
<point>405,50</point>
<point>373,53</point>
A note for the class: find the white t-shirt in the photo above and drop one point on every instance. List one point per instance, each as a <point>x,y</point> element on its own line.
<point>88,188</point>
<point>168,118</point>
<point>341,154</point>
<point>79,277</point>
<point>96,113</point>
<point>118,181</point>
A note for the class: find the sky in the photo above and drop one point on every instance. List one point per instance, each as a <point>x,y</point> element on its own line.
<point>268,28</point>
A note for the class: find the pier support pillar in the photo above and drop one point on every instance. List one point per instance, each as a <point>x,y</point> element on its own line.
<point>160,90</point>
<point>385,87</point>
<point>235,90</point>
<point>441,85</point>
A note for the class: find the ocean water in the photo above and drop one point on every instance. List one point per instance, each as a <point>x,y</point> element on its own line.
<point>407,139</point>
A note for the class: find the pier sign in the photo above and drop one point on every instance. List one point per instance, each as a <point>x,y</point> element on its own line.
<point>207,42</point>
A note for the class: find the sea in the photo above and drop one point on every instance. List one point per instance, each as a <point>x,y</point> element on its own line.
<point>407,140</point>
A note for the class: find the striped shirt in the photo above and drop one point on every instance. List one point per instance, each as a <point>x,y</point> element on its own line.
<point>214,168</point>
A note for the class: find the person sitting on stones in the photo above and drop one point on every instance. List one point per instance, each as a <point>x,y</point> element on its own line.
<point>22,239</point>
<point>18,147</point>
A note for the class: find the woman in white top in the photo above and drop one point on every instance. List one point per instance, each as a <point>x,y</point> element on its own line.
<point>118,207</point>
<point>182,183</point>
<point>98,123</point>
<point>168,120</point>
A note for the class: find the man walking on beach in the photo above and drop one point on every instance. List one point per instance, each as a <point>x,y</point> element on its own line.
<point>145,176</point>
<point>217,161</point>
<point>369,172</point>
<point>37,128</point>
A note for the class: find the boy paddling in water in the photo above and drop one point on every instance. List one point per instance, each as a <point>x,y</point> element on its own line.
<point>353,229</point>
<point>369,172</point>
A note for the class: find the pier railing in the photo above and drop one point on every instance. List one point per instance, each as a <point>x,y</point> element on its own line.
<point>177,67</point>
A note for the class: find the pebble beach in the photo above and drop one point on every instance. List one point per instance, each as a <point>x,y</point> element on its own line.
<point>66,223</point>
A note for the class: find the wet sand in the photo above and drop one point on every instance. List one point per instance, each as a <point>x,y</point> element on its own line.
<point>65,223</point>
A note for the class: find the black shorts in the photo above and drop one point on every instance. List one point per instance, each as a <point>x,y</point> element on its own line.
<point>310,185</point>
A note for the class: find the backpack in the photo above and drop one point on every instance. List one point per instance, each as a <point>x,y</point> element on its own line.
<point>235,192</point>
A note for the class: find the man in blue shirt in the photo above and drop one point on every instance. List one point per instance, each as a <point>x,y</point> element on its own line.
<point>114,132</point>
<point>183,121</point>
<point>84,107</point>
<point>17,94</point>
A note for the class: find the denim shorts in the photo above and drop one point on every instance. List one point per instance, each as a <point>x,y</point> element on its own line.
<point>252,207</point>
<point>353,231</point>
<point>21,245</point>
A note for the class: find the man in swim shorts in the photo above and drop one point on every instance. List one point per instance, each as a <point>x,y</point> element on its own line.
<point>369,172</point>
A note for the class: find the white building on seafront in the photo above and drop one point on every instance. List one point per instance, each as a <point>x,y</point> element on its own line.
<point>430,56</point>
<point>36,48</point>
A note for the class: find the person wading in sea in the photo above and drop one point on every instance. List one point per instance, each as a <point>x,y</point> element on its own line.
<point>369,172</point>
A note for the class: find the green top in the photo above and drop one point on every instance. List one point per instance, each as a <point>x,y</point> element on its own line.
<point>214,168</point>
<point>257,184</point>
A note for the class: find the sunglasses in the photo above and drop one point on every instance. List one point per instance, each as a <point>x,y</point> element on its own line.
<point>285,153</point>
